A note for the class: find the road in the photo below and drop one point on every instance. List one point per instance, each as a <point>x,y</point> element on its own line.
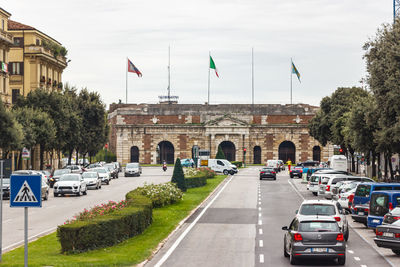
<point>241,226</point>
<point>56,211</point>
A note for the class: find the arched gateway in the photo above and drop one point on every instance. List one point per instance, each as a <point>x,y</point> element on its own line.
<point>287,151</point>
<point>165,151</point>
<point>229,150</point>
<point>134,154</point>
<point>257,155</point>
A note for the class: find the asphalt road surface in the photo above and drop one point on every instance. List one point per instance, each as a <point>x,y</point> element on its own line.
<point>56,211</point>
<point>240,225</point>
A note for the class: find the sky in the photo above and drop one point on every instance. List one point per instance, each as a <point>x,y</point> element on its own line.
<point>323,37</point>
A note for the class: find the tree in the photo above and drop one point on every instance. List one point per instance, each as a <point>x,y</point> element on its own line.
<point>178,177</point>
<point>11,133</point>
<point>220,153</point>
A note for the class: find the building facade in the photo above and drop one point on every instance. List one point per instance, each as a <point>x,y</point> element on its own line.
<point>6,41</point>
<point>151,133</point>
<point>36,60</point>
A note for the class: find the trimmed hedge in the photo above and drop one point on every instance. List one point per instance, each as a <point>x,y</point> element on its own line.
<point>107,230</point>
<point>196,181</point>
<point>238,164</point>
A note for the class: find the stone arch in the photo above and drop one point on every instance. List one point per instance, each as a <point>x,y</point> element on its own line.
<point>316,152</point>
<point>257,155</point>
<point>229,150</point>
<point>286,151</point>
<point>134,154</point>
<point>165,151</point>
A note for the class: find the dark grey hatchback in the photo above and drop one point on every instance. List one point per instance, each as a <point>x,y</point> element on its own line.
<point>314,237</point>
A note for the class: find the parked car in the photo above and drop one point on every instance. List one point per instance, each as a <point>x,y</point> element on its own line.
<point>187,163</point>
<point>74,168</point>
<point>71,183</point>
<point>381,202</point>
<point>44,182</point>
<point>45,188</point>
<point>392,216</point>
<point>104,174</point>
<point>296,171</point>
<point>328,181</point>
<point>346,197</point>
<point>47,174</point>
<point>92,179</point>
<point>118,166</point>
<point>6,188</point>
<point>56,176</point>
<point>388,235</point>
<point>112,169</point>
<point>313,183</point>
<point>94,165</point>
<point>359,213</point>
<point>326,208</point>
<point>267,172</point>
<point>281,165</point>
<point>314,237</point>
<point>275,164</point>
<point>133,169</point>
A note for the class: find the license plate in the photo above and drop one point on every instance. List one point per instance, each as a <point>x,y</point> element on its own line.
<point>376,221</point>
<point>319,250</point>
<point>360,213</point>
<point>388,234</point>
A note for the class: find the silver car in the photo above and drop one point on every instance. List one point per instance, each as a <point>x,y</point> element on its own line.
<point>104,174</point>
<point>71,183</point>
<point>133,169</point>
<point>92,179</point>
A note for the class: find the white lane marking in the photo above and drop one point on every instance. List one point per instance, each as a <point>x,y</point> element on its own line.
<point>261,243</point>
<point>259,214</point>
<point>259,208</point>
<point>260,231</point>
<point>295,189</point>
<point>180,238</point>
<point>357,258</point>
<point>261,258</point>
<point>363,265</point>
<point>259,222</point>
<point>259,202</point>
<point>350,251</point>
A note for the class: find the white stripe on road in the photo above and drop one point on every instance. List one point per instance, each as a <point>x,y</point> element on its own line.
<point>259,214</point>
<point>357,258</point>
<point>261,258</point>
<point>180,238</point>
<point>259,202</point>
<point>260,231</point>
<point>259,208</point>
<point>259,222</point>
<point>350,251</point>
<point>363,265</point>
<point>295,189</point>
<point>261,243</point>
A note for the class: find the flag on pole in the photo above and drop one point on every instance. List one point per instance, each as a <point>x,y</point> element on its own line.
<point>132,68</point>
<point>295,71</point>
<point>212,66</point>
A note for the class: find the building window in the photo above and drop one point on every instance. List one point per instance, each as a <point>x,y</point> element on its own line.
<point>16,68</point>
<point>2,24</point>
<point>37,41</point>
<point>15,95</point>
<point>19,41</point>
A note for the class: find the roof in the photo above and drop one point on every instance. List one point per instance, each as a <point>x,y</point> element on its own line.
<point>4,11</point>
<point>16,26</point>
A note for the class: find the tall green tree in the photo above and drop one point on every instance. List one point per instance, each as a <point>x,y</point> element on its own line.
<point>178,177</point>
<point>220,153</point>
<point>11,133</point>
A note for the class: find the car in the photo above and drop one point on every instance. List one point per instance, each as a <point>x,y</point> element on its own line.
<point>56,176</point>
<point>314,237</point>
<point>392,216</point>
<point>6,188</point>
<point>45,188</point>
<point>133,169</point>
<point>381,202</point>
<point>74,168</point>
<point>104,174</point>
<point>281,164</point>
<point>70,183</point>
<point>346,196</point>
<point>296,171</point>
<point>359,213</point>
<point>118,166</point>
<point>327,182</point>
<point>274,164</point>
<point>44,182</point>
<point>112,169</point>
<point>326,208</point>
<point>388,236</point>
<point>187,163</point>
<point>267,172</point>
<point>92,179</point>
<point>47,174</point>
<point>94,165</point>
<point>313,183</point>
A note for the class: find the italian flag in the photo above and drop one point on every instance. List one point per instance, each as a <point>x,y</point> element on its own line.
<point>212,66</point>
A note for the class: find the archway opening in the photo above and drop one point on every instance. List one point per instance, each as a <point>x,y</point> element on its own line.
<point>165,151</point>
<point>287,151</point>
<point>229,150</point>
<point>134,154</point>
<point>257,155</point>
<point>316,153</point>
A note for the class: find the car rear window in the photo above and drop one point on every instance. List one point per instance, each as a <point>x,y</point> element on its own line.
<point>314,178</point>
<point>336,180</point>
<point>317,209</point>
<point>379,204</point>
<point>318,226</point>
<point>363,190</point>
<point>325,180</point>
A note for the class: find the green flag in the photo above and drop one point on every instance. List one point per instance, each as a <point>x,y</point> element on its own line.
<point>212,66</point>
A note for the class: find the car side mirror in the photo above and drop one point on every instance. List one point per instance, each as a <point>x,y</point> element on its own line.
<point>297,211</point>
<point>285,228</point>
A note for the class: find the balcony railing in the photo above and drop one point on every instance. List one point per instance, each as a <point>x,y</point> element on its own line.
<point>35,49</point>
<point>6,36</point>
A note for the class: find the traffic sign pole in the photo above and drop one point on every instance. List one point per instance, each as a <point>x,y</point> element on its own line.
<point>1,209</point>
<point>26,236</point>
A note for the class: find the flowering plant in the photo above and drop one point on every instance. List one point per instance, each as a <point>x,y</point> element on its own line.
<point>207,171</point>
<point>161,194</point>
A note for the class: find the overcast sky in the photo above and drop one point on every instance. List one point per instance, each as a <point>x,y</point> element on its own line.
<point>324,38</point>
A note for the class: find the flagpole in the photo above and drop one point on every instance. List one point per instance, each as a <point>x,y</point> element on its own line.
<point>209,56</point>
<point>291,75</point>
<point>126,93</point>
<point>169,75</point>
<point>252,77</point>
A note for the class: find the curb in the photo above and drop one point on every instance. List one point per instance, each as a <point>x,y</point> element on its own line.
<point>181,223</point>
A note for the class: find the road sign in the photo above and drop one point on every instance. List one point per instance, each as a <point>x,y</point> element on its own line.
<point>26,191</point>
<point>26,154</point>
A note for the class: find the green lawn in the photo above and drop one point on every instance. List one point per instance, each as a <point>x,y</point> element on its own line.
<point>46,250</point>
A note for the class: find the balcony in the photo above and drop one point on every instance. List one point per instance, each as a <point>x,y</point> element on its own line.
<point>6,37</point>
<point>48,54</point>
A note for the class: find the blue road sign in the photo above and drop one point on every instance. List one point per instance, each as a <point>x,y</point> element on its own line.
<point>26,191</point>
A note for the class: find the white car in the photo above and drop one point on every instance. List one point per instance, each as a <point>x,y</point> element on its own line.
<point>326,208</point>
<point>92,179</point>
<point>71,183</point>
<point>104,174</point>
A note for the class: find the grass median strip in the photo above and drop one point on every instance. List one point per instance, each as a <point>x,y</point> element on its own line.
<point>46,250</point>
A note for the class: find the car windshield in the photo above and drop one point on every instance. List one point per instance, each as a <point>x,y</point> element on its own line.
<point>100,170</point>
<point>62,171</point>
<point>132,165</point>
<point>363,190</point>
<point>89,175</point>
<point>109,166</point>
<point>317,209</point>
<point>318,226</point>
<point>69,177</point>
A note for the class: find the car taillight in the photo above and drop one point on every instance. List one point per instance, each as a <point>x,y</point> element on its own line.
<point>262,172</point>
<point>319,181</point>
<point>337,219</point>
<point>273,172</point>
<point>328,187</point>
<point>366,210</point>
<point>397,235</point>
<point>390,206</point>
<point>378,233</point>
<point>298,237</point>
<point>340,237</point>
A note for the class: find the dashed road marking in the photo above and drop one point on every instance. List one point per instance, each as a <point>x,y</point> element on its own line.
<point>350,251</point>
<point>259,222</point>
<point>357,258</point>
<point>363,265</point>
<point>261,258</point>
<point>261,243</point>
<point>259,214</point>
<point>260,231</point>
<point>259,208</point>
<point>259,202</point>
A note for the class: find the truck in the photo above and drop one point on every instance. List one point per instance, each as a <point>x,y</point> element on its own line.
<point>338,163</point>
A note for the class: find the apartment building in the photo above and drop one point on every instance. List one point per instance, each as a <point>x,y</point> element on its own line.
<point>6,41</point>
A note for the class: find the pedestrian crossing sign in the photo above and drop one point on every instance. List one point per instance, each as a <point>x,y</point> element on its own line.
<point>25,191</point>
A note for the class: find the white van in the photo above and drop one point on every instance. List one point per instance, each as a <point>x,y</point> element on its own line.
<point>338,163</point>
<point>274,164</point>
<point>222,165</point>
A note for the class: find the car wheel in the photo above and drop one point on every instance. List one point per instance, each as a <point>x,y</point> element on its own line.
<point>274,178</point>
<point>291,176</point>
<point>292,259</point>
<point>284,249</point>
<point>226,172</point>
<point>117,176</point>
<point>342,260</point>
<point>260,178</point>
<point>315,193</point>
<point>108,182</point>
<point>46,195</point>
<point>79,192</point>
<point>346,235</point>
<point>396,251</point>
<point>55,195</point>
<point>85,192</point>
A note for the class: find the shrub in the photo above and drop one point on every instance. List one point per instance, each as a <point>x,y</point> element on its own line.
<point>107,224</point>
<point>237,163</point>
<point>208,172</point>
<point>220,153</point>
<point>196,181</point>
<point>178,176</point>
<point>161,194</point>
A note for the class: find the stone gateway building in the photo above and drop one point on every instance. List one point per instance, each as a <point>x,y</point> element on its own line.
<point>151,133</point>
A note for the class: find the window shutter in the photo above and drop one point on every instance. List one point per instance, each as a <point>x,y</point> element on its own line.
<point>21,68</point>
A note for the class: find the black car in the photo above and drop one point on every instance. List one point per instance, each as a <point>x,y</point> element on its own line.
<point>267,173</point>
<point>392,216</point>
<point>314,237</point>
<point>360,213</point>
<point>388,236</point>
<point>296,171</point>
